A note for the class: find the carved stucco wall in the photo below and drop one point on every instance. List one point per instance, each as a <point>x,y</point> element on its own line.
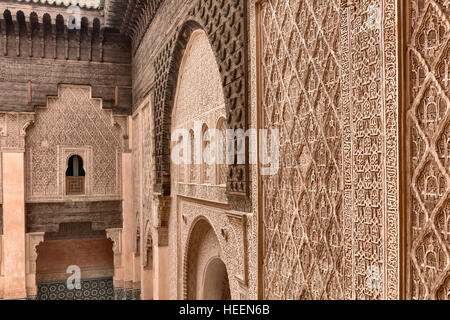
<point>73,123</point>
<point>329,84</point>
<point>13,127</point>
<point>224,23</point>
<point>200,97</point>
<point>147,183</point>
<point>137,135</point>
<point>428,150</point>
<point>143,179</point>
<point>199,91</point>
<point>370,102</point>
<point>203,247</point>
<point>302,204</point>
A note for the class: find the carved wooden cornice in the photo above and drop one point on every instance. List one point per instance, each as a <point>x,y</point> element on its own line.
<point>85,4</point>
<point>131,17</point>
<point>52,11</point>
<point>36,27</point>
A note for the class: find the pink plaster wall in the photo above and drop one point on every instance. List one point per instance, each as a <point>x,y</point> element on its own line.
<point>85,253</point>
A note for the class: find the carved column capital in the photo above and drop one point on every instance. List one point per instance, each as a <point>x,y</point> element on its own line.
<point>162,210</point>
<point>13,126</point>
<point>32,241</point>
<point>115,235</point>
<point>122,122</point>
<point>238,225</point>
<point>161,218</point>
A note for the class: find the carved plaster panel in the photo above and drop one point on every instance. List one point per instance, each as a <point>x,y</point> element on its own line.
<point>330,84</point>
<point>74,120</point>
<point>230,229</point>
<point>428,150</point>
<point>116,237</point>
<point>32,242</point>
<point>302,203</point>
<point>224,22</point>
<point>13,128</point>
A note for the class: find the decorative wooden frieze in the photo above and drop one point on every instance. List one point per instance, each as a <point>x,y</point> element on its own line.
<point>60,55</point>
<point>137,18</point>
<point>48,217</point>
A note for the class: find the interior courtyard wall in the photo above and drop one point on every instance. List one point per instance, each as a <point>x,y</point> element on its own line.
<point>73,123</point>
<point>170,17</point>
<point>199,97</point>
<point>327,74</point>
<point>94,257</point>
<point>143,233</point>
<point>328,80</point>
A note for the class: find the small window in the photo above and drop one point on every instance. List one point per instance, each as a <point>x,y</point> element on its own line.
<point>75,176</point>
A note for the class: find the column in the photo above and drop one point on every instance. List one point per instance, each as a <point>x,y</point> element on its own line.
<point>14,225</point>
<point>128,219</point>
<point>32,242</point>
<point>2,278</point>
<point>137,277</point>
<point>161,248</point>
<point>116,237</point>
<point>146,284</point>
<point>147,265</point>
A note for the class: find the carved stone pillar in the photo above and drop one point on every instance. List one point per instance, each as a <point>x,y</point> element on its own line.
<point>370,123</point>
<point>115,235</point>
<point>137,277</point>
<point>128,222</point>
<point>238,228</point>
<point>147,264</point>
<point>161,249</point>
<point>2,278</point>
<point>12,145</point>
<point>32,240</point>
<point>122,122</point>
<point>14,225</point>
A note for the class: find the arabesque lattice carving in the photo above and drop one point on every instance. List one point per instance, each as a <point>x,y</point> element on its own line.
<point>73,120</point>
<point>428,145</point>
<point>330,85</point>
<point>370,100</point>
<point>147,159</point>
<point>303,232</point>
